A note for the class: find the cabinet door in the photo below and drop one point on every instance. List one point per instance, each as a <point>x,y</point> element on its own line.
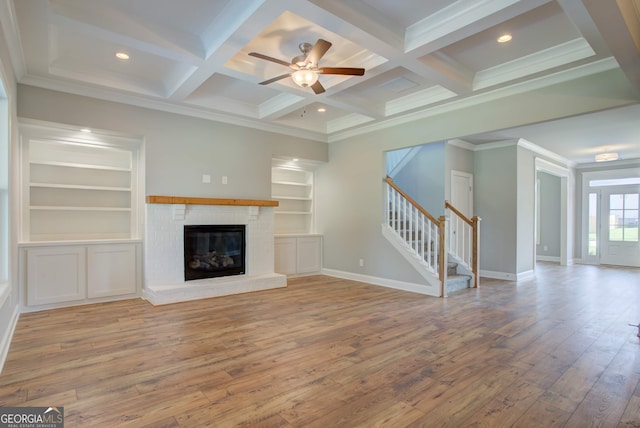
<point>309,254</point>
<point>112,270</point>
<point>285,256</point>
<point>55,275</point>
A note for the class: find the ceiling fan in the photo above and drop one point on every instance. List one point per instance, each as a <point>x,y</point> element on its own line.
<point>306,68</point>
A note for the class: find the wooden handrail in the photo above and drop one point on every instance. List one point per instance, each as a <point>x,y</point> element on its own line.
<point>458,213</point>
<point>474,223</point>
<point>390,182</point>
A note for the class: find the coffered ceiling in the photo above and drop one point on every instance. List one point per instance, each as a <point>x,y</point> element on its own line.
<point>192,56</point>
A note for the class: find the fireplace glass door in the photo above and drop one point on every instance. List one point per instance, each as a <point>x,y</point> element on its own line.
<point>213,251</point>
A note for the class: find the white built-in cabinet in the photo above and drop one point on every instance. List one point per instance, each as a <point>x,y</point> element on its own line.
<point>72,274</point>
<point>298,255</point>
<point>298,251</point>
<point>80,228</point>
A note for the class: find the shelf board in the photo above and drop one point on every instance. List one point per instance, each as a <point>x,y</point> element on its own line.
<point>292,198</point>
<point>79,187</point>
<point>61,208</point>
<point>291,183</point>
<point>80,165</point>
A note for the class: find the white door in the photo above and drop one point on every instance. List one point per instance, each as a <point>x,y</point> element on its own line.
<point>462,200</point>
<point>462,192</point>
<point>619,226</point>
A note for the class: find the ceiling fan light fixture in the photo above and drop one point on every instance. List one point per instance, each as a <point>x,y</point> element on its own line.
<point>305,77</point>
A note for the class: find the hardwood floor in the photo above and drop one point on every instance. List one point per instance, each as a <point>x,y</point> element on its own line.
<point>556,351</point>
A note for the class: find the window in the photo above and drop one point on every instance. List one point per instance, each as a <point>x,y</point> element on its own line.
<point>593,224</point>
<point>614,182</point>
<point>623,217</point>
<point>4,187</point>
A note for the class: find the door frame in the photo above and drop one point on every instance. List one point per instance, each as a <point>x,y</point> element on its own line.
<point>588,176</point>
<point>566,207</point>
<point>603,215</point>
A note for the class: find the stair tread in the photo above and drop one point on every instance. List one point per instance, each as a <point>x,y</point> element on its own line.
<point>453,277</point>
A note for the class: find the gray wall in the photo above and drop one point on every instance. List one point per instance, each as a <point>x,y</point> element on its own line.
<point>525,211</point>
<point>350,210</point>
<point>549,220</point>
<point>179,149</point>
<point>423,178</point>
<point>349,187</point>
<point>495,199</point>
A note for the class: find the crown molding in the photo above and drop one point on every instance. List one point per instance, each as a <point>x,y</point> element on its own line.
<point>462,144</point>
<point>607,165</point>
<point>418,99</point>
<point>449,19</point>
<point>547,59</point>
<point>546,153</point>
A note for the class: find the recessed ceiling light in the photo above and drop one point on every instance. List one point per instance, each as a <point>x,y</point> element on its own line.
<point>505,38</point>
<point>296,160</point>
<point>87,130</point>
<point>122,55</point>
<point>322,109</point>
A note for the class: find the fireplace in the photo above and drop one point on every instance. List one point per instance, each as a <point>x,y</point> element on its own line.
<point>212,251</point>
<point>164,271</point>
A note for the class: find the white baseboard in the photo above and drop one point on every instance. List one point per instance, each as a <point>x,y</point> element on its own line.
<point>7,335</point>
<point>498,275</point>
<point>528,274</point>
<point>548,259</point>
<point>427,289</point>
<point>506,275</point>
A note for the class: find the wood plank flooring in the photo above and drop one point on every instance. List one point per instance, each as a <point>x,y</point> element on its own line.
<point>555,351</point>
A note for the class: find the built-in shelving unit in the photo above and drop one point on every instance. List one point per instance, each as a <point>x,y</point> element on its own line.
<point>77,189</point>
<point>293,189</point>
<point>298,250</point>
<point>80,229</point>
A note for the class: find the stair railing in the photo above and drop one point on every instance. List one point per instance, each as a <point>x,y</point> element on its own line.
<point>464,240</point>
<point>421,231</point>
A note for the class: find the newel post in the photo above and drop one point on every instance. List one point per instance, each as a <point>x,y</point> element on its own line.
<point>443,254</point>
<point>475,267</point>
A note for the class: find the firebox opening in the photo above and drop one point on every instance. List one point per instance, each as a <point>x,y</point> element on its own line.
<point>212,251</point>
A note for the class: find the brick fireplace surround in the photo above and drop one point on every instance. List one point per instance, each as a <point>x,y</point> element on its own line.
<point>166,217</point>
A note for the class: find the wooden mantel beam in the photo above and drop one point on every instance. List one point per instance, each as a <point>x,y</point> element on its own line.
<point>187,200</point>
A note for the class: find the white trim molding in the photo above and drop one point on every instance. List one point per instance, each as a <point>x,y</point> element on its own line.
<point>425,289</point>
<point>7,335</point>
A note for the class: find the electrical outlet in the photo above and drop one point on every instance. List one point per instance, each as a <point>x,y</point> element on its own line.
<point>224,179</point>
<point>361,262</point>
<point>546,248</point>
<point>206,178</point>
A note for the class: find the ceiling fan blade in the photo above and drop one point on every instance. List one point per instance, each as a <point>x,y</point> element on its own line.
<point>275,79</point>
<point>276,60</point>
<point>319,49</point>
<point>342,70</point>
<point>317,87</point>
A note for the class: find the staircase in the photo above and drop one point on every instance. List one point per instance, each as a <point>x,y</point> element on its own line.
<point>446,257</point>
<point>456,281</point>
